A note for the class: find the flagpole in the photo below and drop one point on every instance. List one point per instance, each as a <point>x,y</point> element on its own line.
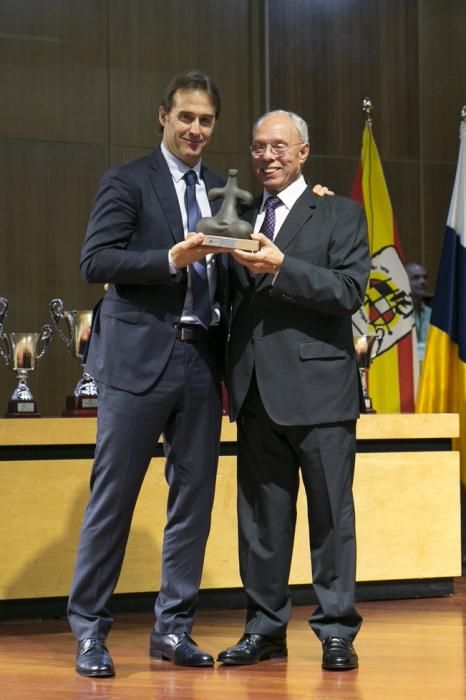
<point>386,304</point>
<point>367,108</point>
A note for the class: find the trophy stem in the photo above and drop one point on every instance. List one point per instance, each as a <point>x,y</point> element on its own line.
<point>367,399</point>
<point>85,397</point>
<point>22,403</point>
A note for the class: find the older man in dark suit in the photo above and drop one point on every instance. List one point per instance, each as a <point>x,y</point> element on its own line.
<point>295,393</point>
<point>152,352</point>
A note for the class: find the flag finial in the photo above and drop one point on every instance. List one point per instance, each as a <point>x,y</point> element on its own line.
<point>367,108</point>
<point>463,113</point>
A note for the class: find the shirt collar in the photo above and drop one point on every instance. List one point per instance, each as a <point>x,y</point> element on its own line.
<point>290,194</point>
<point>177,167</point>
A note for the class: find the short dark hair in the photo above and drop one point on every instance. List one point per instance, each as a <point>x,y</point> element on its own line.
<point>191,80</point>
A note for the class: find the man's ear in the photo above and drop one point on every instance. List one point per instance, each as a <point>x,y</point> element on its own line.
<point>163,116</point>
<point>304,153</point>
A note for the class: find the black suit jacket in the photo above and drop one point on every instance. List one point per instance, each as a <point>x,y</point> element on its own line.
<point>135,219</point>
<point>295,331</point>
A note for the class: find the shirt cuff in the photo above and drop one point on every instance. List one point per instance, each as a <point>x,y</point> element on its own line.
<point>171,265</point>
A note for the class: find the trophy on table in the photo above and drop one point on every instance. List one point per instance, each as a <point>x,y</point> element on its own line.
<point>83,401</point>
<point>364,344</point>
<point>21,351</point>
<point>226,229</point>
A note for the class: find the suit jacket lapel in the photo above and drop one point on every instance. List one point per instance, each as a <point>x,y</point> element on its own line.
<point>165,191</point>
<point>210,181</point>
<point>250,214</point>
<point>301,212</point>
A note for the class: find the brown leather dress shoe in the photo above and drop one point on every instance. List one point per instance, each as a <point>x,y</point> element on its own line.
<point>178,648</point>
<point>338,654</point>
<point>93,659</point>
<point>253,648</point>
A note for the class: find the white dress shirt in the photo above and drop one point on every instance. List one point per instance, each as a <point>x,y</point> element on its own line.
<point>178,169</point>
<point>288,196</point>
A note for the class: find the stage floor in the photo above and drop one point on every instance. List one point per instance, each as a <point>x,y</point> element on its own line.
<point>407,649</point>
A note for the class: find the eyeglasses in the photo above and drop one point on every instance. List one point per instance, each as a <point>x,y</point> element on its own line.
<point>277,149</point>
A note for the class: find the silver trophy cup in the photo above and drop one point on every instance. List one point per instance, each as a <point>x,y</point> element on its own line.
<point>21,352</point>
<point>83,401</point>
<point>364,345</point>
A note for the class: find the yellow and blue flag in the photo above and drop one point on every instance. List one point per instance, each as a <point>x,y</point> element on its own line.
<point>442,387</point>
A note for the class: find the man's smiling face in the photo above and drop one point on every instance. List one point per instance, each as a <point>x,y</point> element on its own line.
<point>275,173</point>
<point>188,126</point>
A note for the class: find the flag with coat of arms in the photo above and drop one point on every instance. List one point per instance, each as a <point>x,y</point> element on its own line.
<point>387,311</point>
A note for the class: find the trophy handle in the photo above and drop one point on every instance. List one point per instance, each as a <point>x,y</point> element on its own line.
<point>57,313</point>
<point>44,338</point>
<point>6,356</point>
<point>3,313</point>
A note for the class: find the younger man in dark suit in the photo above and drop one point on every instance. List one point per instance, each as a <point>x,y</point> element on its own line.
<point>294,391</point>
<point>152,353</point>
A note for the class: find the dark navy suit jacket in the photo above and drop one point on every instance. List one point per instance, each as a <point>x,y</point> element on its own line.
<point>134,221</point>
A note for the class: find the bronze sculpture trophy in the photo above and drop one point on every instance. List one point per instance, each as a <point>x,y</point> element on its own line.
<point>226,229</point>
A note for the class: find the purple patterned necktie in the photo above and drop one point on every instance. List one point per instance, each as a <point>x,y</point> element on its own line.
<point>268,225</point>
<point>202,307</point>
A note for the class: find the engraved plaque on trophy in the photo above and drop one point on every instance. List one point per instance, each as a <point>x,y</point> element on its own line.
<point>83,401</point>
<point>364,344</point>
<point>226,229</point>
<point>21,352</point>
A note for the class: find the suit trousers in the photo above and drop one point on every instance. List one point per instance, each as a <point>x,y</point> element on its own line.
<point>269,459</point>
<point>184,404</point>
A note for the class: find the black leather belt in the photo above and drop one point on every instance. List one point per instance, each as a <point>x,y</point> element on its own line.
<point>191,333</point>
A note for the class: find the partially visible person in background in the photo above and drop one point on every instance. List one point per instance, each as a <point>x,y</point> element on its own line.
<point>418,280</point>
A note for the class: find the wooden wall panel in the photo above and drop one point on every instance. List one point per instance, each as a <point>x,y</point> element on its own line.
<point>404,186</point>
<point>326,57</point>
<point>335,172</point>
<point>409,59</point>
<point>91,72</point>
<point>46,190</point>
<point>81,83</point>
<point>438,181</point>
<point>151,41</point>
<point>54,78</point>
<point>442,30</point>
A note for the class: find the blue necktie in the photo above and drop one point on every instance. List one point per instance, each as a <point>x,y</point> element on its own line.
<point>202,307</point>
<point>268,225</point>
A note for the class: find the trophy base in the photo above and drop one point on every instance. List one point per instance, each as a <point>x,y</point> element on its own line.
<point>22,409</point>
<point>80,407</point>
<point>248,244</point>
<point>368,406</point>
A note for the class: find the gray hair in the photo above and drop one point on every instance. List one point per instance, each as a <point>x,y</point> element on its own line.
<point>299,123</point>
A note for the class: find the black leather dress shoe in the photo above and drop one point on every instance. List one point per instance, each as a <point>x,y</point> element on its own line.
<point>179,648</point>
<point>253,648</point>
<point>93,659</point>
<point>338,654</point>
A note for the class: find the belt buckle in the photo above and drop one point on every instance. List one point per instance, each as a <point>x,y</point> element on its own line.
<point>186,333</point>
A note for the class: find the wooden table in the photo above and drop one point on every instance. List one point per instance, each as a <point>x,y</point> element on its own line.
<point>407,496</point>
